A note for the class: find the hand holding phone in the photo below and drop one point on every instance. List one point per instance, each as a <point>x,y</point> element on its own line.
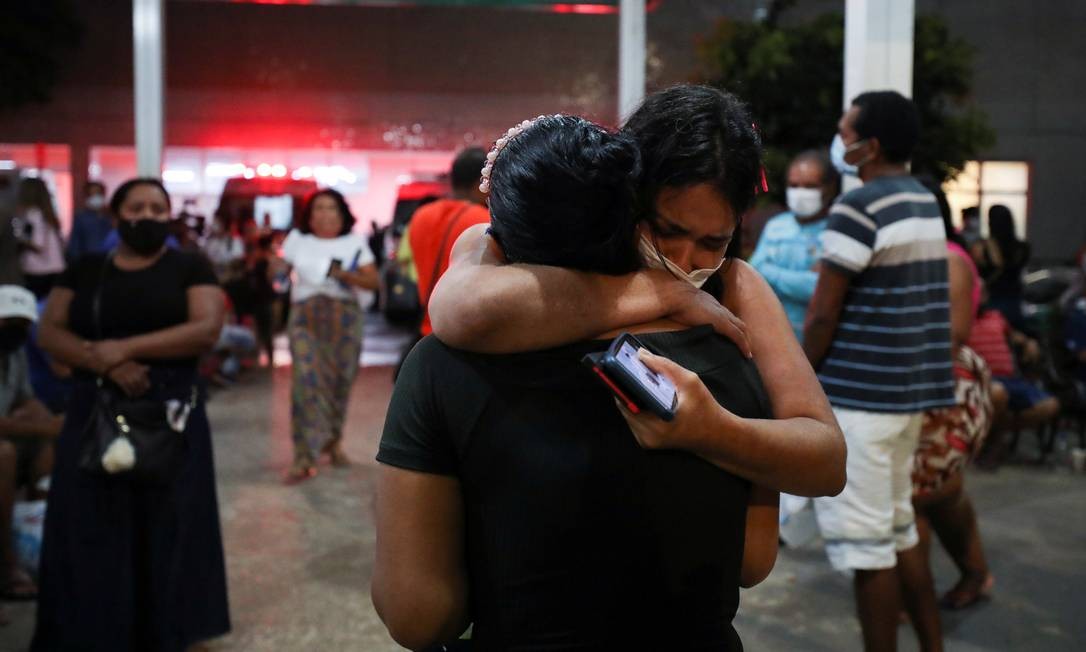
<point>637,386</point>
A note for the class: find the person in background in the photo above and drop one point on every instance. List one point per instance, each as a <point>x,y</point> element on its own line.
<point>434,228</point>
<point>1002,259</point>
<point>951,436</point>
<point>787,257</point>
<point>878,333</point>
<point>997,341</point>
<point>91,225</point>
<point>127,565</point>
<point>27,431</point>
<point>970,231</point>
<point>52,381</point>
<point>330,264</point>
<point>40,241</point>
<point>788,250</point>
<point>224,249</point>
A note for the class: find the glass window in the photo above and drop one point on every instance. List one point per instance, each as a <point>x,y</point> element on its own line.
<point>987,183</point>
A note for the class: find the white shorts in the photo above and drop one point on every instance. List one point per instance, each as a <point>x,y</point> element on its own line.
<point>868,523</point>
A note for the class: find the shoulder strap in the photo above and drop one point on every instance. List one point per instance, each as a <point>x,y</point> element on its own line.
<point>441,252</point>
<point>96,304</point>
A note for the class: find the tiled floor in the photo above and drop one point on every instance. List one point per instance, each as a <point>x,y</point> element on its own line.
<point>300,558</point>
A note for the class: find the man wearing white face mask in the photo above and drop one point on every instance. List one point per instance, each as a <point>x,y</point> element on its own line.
<point>878,334</point>
<point>788,250</point>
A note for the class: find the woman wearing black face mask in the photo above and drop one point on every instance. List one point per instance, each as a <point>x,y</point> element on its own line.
<point>126,565</point>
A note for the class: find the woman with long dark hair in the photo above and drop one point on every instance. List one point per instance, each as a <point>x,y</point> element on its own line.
<point>1001,259</point>
<point>950,437</point>
<point>40,241</point>
<point>330,263</point>
<point>696,182</point>
<point>130,565</point>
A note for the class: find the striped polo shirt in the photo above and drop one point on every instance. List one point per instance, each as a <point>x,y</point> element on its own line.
<point>891,350</point>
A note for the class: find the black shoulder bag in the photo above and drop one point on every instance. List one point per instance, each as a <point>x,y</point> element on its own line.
<point>138,438</point>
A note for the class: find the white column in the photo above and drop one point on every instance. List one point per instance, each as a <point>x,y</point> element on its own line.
<point>878,47</point>
<point>631,56</point>
<point>148,48</point>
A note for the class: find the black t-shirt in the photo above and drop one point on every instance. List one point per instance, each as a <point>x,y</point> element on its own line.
<point>578,539</point>
<point>136,302</point>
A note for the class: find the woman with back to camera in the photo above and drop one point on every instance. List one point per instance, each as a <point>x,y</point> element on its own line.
<point>41,245</point>
<point>951,436</point>
<point>695,184</point>
<point>127,565</point>
<point>331,263</point>
<point>511,492</point>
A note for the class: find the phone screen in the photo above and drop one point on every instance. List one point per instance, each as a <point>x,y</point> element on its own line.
<point>660,388</point>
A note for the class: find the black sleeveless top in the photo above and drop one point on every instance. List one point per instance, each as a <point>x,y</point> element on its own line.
<point>577,539</point>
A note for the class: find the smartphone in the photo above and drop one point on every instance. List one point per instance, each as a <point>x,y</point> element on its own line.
<point>638,387</point>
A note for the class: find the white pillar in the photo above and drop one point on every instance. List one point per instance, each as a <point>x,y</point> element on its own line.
<point>878,52</point>
<point>148,48</point>
<point>631,57</point>
<point>878,47</point>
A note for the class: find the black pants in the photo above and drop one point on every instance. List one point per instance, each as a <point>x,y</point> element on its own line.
<point>40,284</point>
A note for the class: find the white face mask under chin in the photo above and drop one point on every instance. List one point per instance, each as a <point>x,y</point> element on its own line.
<point>656,260</point>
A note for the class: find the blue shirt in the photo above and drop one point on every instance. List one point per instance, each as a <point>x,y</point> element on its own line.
<point>786,255</point>
<point>891,350</point>
<point>89,231</point>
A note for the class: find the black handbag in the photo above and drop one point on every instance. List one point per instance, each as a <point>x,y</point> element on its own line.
<point>400,295</point>
<point>138,438</point>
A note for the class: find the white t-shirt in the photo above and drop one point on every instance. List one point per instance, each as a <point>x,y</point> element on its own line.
<point>50,260</point>
<point>311,258</point>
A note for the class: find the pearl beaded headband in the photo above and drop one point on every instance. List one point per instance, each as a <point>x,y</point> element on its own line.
<point>499,145</point>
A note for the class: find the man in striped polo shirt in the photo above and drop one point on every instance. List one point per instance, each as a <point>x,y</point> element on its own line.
<point>878,333</point>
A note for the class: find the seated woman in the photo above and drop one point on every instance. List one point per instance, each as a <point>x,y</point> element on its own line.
<point>695,184</point>
<point>511,494</point>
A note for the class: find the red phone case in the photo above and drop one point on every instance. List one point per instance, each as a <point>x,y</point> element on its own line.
<point>618,392</point>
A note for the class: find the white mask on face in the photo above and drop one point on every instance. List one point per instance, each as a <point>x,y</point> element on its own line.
<point>656,260</point>
<point>804,202</point>
<point>96,202</point>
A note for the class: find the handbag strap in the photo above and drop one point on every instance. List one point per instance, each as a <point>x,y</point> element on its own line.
<point>441,252</point>
<point>96,303</point>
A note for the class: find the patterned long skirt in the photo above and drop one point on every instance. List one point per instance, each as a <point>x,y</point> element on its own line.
<point>325,344</point>
<point>951,436</point>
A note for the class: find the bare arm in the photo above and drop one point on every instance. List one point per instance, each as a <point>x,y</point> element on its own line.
<point>420,585</point>
<point>762,536</point>
<point>961,301</point>
<point>61,344</point>
<point>364,277</point>
<point>31,419</point>
<point>824,313</point>
<point>800,450</point>
<point>481,304</point>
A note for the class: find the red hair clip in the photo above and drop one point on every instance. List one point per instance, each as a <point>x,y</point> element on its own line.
<point>763,184</point>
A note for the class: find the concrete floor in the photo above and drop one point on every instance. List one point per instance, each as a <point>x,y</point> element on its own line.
<point>300,558</point>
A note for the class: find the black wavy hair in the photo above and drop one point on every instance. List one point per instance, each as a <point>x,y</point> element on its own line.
<point>890,117</point>
<point>121,193</point>
<point>344,211</point>
<point>562,193</point>
<point>689,135</point>
<point>466,167</point>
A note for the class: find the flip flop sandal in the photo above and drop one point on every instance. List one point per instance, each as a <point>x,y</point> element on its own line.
<point>959,598</point>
